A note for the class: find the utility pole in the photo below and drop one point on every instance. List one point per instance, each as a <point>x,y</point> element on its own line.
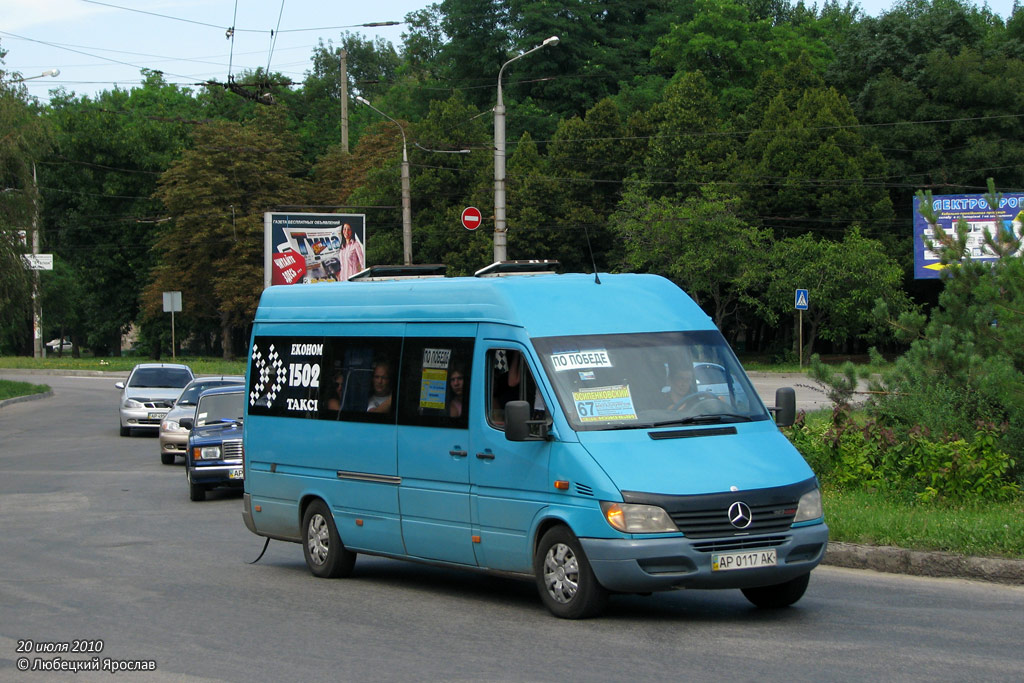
<point>343,63</point>
<point>37,313</point>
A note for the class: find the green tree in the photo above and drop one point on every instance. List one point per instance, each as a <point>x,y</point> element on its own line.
<point>24,140</point>
<point>216,194</point>
<point>703,244</point>
<point>732,42</point>
<point>844,280</point>
<point>809,167</point>
<point>692,144</point>
<point>98,184</point>
<point>63,303</point>
<point>965,368</point>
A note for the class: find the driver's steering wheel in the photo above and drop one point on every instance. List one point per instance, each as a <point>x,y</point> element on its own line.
<point>693,399</point>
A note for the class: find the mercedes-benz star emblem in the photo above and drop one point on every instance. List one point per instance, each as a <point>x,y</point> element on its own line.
<point>739,515</point>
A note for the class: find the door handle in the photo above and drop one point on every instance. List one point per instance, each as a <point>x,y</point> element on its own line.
<point>486,455</point>
<point>458,454</point>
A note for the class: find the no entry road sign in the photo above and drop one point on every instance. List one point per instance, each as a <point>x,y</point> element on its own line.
<point>471,218</point>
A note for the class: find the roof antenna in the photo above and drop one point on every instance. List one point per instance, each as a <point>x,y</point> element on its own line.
<point>597,280</point>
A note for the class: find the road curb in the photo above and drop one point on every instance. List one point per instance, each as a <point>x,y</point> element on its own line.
<point>924,563</point>
<point>27,397</point>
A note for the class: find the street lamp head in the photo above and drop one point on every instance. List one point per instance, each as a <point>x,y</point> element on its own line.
<point>553,40</point>
<point>360,98</point>
<point>52,72</point>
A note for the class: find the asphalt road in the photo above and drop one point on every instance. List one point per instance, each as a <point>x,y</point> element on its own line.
<point>100,543</point>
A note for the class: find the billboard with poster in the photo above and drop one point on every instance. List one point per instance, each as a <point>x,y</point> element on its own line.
<point>979,216</point>
<point>312,247</point>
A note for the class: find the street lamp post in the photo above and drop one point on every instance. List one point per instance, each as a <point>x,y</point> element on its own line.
<point>48,72</point>
<point>500,230</point>
<point>406,199</point>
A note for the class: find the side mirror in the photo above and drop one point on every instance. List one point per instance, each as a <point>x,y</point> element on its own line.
<point>119,385</point>
<point>517,419</point>
<point>518,423</point>
<point>187,422</point>
<point>785,406</point>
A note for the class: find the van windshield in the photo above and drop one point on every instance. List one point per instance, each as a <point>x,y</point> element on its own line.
<point>647,380</point>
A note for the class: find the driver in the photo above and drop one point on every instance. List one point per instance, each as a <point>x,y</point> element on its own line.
<point>681,385</point>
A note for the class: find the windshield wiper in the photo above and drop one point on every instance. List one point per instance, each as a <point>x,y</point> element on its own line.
<point>704,419</point>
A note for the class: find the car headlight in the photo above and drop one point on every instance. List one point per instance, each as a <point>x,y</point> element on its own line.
<point>171,426</point>
<point>809,507</point>
<point>638,519</point>
<point>131,403</point>
<point>209,452</point>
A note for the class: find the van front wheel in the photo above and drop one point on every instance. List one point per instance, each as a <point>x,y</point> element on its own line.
<point>566,582</point>
<point>780,595</point>
<point>326,555</point>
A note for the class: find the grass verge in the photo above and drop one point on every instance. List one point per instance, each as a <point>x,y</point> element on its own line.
<point>200,366</point>
<point>9,389</point>
<point>981,529</point>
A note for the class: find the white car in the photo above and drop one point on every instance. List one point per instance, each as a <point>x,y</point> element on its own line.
<point>59,345</point>
<point>149,393</point>
<point>713,378</point>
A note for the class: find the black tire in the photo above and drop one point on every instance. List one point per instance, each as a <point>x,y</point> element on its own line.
<point>326,556</point>
<point>196,492</point>
<point>565,581</point>
<point>126,431</point>
<point>167,458</point>
<point>780,595</point>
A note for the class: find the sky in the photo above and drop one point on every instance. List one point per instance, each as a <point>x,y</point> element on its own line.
<point>97,45</point>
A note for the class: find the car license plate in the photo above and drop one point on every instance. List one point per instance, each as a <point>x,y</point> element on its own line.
<point>156,416</point>
<point>239,473</point>
<point>749,559</point>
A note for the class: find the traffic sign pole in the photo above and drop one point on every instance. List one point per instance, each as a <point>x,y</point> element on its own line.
<point>800,301</point>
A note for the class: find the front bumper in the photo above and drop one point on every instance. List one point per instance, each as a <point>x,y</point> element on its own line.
<point>656,564</point>
<point>218,474</point>
<point>175,443</point>
<point>143,418</point>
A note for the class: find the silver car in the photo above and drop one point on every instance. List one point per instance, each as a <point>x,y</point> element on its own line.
<point>173,437</point>
<point>148,394</point>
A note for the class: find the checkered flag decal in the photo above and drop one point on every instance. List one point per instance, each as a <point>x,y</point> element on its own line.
<point>267,369</point>
<point>500,361</point>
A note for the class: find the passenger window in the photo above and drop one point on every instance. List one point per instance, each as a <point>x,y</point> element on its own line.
<point>509,379</point>
<point>435,381</point>
<point>360,379</point>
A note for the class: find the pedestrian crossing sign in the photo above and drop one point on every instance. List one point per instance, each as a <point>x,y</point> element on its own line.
<point>801,299</point>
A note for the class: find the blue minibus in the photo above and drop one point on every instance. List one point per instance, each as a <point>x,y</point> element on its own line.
<point>556,426</point>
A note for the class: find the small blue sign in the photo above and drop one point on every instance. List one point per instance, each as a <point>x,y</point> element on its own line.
<point>801,299</point>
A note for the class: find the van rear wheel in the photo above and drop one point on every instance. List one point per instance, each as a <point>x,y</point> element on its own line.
<point>326,556</point>
<point>567,585</point>
<point>779,595</point>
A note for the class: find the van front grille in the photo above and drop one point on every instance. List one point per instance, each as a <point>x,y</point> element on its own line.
<point>765,519</point>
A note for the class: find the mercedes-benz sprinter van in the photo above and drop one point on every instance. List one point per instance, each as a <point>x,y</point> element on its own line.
<point>537,424</point>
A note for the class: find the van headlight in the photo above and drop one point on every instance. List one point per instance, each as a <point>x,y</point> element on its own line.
<point>809,507</point>
<point>638,519</point>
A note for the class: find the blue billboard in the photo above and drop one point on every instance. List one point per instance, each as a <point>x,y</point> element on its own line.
<point>979,216</point>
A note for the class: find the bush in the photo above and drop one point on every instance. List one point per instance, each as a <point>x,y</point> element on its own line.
<point>871,457</point>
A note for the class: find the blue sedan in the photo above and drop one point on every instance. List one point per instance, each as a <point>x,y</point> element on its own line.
<point>215,441</point>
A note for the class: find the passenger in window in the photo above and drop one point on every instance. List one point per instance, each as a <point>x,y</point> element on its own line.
<point>515,375</point>
<point>337,392</point>
<point>456,392</point>
<point>512,382</point>
<point>380,399</point>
